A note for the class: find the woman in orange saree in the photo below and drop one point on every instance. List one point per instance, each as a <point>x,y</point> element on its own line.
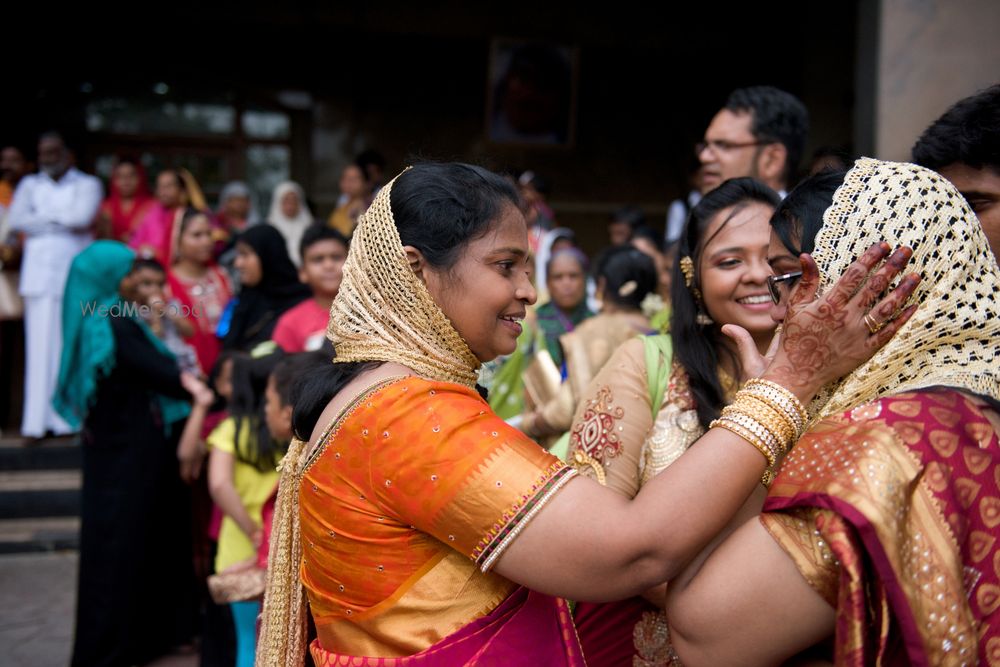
<point>412,523</point>
<point>878,537</point>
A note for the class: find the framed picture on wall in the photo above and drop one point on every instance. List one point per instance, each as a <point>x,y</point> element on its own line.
<point>532,93</point>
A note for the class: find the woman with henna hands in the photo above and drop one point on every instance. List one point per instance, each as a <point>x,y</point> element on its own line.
<point>418,525</point>
<point>877,544</point>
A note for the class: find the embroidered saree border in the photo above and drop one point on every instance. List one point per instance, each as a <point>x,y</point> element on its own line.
<point>516,517</point>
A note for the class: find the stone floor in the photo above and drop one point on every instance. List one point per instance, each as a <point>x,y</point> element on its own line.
<point>37,599</point>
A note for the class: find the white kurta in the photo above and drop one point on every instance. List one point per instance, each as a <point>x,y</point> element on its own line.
<point>56,218</point>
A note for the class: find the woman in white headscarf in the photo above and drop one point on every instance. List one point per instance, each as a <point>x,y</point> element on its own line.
<point>290,215</point>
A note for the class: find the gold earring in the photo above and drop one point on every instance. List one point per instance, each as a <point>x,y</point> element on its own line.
<point>687,268</point>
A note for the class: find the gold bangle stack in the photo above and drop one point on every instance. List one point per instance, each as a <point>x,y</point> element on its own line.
<point>768,416</point>
<point>781,399</point>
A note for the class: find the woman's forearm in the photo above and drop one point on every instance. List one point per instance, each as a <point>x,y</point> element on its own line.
<point>220,486</point>
<point>747,605</point>
<point>590,543</point>
<point>229,502</point>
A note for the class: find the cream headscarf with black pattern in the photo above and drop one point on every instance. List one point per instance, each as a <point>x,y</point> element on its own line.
<point>953,339</point>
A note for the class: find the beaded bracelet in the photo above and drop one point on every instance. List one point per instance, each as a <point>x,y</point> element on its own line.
<point>786,400</point>
<point>734,427</point>
<point>767,416</point>
<point>748,435</point>
<point>775,420</point>
<point>787,416</point>
<point>761,430</point>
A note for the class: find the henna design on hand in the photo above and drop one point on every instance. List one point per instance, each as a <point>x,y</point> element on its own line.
<point>879,282</point>
<point>827,338</point>
<point>887,309</point>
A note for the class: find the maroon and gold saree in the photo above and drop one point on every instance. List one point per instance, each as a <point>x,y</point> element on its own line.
<point>890,511</point>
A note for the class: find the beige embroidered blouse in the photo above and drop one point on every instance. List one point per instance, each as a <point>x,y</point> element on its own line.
<point>614,438</point>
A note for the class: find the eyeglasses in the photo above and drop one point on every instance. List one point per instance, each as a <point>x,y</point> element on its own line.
<point>720,146</point>
<point>779,286</point>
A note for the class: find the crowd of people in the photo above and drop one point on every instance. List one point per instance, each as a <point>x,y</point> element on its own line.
<point>766,434</point>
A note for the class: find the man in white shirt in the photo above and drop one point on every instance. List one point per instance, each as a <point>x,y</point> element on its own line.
<point>760,132</point>
<point>55,210</point>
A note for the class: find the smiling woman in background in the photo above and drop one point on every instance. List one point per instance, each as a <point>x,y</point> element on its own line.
<point>657,394</point>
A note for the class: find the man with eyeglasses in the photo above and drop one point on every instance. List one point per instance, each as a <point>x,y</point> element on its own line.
<point>761,133</point>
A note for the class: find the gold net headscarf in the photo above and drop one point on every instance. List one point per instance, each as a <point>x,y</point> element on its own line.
<point>383,312</point>
<point>952,338</point>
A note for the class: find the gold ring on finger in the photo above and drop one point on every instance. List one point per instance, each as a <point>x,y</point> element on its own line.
<point>872,324</point>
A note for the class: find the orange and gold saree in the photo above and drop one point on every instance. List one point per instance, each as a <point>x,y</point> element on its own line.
<point>414,492</point>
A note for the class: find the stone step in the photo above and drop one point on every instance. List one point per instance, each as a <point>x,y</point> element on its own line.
<point>39,535</point>
<point>51,454</point>
<point>39,493</point>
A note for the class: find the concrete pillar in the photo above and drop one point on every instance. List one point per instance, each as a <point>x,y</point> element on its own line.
<point>926,55</point>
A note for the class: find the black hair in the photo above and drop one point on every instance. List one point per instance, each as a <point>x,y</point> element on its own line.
<point>968,133</point>
<point>190,213</point>
<point>699,348</point>
<point>799,217</point>
<point>776,116</point>
<point>842,156</point>
<point>362,168</point>
<point>621,265</point>
<point>289,369</point>
<point>127,159</point>
<point>562,234</point>
<point>631,216</point>
<point>177,177</point>
<point>53,135</point>
<point>213,378</point>
<point>317,232</point>
<point>246,407</point>
<point>370,157</point>
<point>20,147</point>
<point>438,209</point>
<point>650,234</point>
<point>147,263</point>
